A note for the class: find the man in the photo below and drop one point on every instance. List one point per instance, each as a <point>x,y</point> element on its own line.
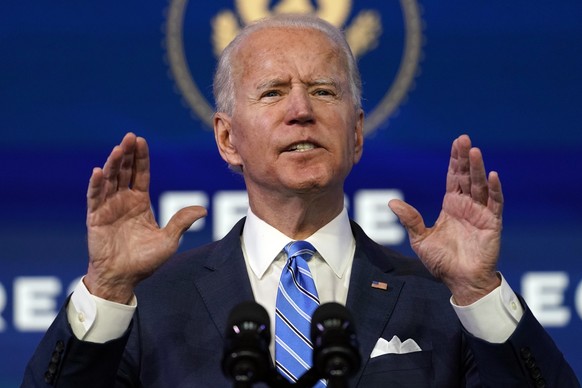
<point>289,119</point>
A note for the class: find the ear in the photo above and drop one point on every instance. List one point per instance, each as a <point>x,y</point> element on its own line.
<point>359,137</point>
<point>224,139</point>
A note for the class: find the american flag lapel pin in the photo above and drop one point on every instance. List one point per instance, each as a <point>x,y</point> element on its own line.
<point>380,285</point>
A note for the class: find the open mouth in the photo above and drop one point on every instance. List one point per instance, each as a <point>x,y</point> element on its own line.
<point>301,147</point>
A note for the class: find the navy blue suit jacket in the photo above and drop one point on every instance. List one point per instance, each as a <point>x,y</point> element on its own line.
<point>176,337</point>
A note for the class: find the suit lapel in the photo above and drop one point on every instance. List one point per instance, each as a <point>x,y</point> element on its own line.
<point>371,307</point>
<point>223,283</point>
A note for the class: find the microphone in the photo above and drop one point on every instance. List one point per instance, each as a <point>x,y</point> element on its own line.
<point>246,357</point>
<point>335,347</point>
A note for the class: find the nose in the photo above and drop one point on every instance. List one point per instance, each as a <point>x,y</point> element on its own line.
<point>299,109</point>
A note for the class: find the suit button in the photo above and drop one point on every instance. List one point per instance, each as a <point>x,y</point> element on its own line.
<point>530,363</point>
<point>49,377</point>
<point>535,373</point>
<point>52,368</point>
<point>60,347</point>
<point>55,357</point>
<point>540,383</point>
<point>525,353</point>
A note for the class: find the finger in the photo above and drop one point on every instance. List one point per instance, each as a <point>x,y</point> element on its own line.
<point>183,219</point>
<point>128,146</point>
<point>458,178</point>
<point>141,166</point>
<point>495,201</point>
<point>463,173</point>
<point>452,184</point>
<point>409,217</point>
<point>95,191</point>
<point>111,170</point>
<point>479,189</point>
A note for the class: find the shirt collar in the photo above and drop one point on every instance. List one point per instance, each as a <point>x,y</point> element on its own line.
<point>263,243</point>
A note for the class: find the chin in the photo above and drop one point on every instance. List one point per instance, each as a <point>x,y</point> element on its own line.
<point>312,185</point>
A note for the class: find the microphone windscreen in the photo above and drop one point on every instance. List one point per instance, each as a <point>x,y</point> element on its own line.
<point>249,312</point>
<point>335,347</point>
<point>331,310</point>
<point>327,311</point>
<point>246,347</point>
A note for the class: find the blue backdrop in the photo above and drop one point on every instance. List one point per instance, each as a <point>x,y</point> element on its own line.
<point>74,77</point>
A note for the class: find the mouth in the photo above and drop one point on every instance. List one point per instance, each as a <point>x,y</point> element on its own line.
<point>301,147</point>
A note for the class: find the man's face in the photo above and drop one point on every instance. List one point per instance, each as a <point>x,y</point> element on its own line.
<point>295,127</point>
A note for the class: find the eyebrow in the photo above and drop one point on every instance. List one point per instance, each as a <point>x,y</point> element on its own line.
<point>324,82</point>
<point>278,82</point>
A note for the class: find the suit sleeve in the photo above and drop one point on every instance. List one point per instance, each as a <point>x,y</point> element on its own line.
<point>61,360</point>
<point>529,358</point>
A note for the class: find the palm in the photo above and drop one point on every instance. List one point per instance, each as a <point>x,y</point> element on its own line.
<point>463,241</point>
<point>125,230</point>
<point>125,243</point>
<point>462,248</point>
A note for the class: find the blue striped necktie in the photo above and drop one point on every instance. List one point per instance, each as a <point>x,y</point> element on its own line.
<point>296,301</point>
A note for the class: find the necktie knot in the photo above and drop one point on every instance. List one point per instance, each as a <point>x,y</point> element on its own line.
<point>299,248</point>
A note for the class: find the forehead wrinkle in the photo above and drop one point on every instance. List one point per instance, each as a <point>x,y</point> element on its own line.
<point>253,49</point>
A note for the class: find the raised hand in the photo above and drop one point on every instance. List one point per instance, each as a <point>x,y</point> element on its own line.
<point>462,248</point>
<point>126,244</point>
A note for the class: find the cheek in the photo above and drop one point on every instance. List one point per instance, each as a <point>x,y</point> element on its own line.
<point>252,144</point>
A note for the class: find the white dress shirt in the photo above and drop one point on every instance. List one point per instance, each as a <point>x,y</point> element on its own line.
<point>330,267</point>
<point>492,318</point>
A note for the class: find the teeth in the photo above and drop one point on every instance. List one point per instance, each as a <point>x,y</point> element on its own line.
<point>302,147</point>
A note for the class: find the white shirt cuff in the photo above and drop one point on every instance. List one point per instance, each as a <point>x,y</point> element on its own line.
<point>95,319</point>
<point>494,317</point>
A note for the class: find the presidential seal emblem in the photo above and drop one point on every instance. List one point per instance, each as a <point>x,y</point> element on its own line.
<point>387,42</point>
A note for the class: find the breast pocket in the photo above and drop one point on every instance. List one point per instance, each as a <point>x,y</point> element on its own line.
<point>399,370</point>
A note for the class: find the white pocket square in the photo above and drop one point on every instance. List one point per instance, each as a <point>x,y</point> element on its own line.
<point>394,346</point>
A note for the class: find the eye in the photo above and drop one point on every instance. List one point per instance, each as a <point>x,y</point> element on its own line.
<point>323,92</point>
<point>271,93</point>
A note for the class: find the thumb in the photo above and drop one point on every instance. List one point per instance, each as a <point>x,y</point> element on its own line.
<point>409,217</point>
<point>183,219</point>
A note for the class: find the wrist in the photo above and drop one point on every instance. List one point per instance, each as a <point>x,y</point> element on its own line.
<point>114,291</point>
<point>468,292</point>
